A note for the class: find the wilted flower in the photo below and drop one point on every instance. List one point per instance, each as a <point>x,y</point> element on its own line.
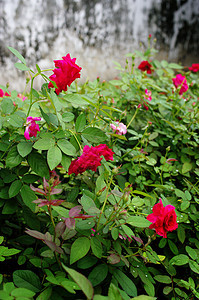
<point>180,81</point>
<point>145,66</point>
<point>194,68</point>
<point>31,127</point>
<point>65,73</point>
<point>163,219</point>
<point>90,159</point>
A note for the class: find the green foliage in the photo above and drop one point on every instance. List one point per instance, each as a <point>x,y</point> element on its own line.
<point>70,237</point>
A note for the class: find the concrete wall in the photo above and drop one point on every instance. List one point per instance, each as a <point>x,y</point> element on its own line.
<point>96,32</point>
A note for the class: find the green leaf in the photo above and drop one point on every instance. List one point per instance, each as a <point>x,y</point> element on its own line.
<point>55,100</point>
<point>17,54</point>
<point>88,204</point>
<point>80,122</point>
<point>54,157</point>
<point>21,67</point>
<point>186,167</point>
<point>45,116</point>
<point>66,147</point>
<point>7,106</point>
<point>181,233</point>
<point>179,260</point>
<point>87,262</point>
<point>79,249</point>
<point>192,253</point>
<point>44,144</point>
<point>98,274</point>
<point>173,247</point>
<point>99,297</point>
<point>116,82</point>
<point>16,121</point>
<point>126,283</point>
<point>30,178</point>
<point>115,233</point>
<point>75,100</point>
<point>179,193</point>
<point>24,148</point>
<point>68,117</point>
<point>96,247</point>
<point>167,290</point>
<point>138,221</point>
<point>174,66</point>
<point>27,279</point>
<point>143,297</point>
<point>194,266</point>
<point>46,294</point>
<point>63,212</point>
<point>4,251</point>
<point>38,164</point>
<point>13,158</point>
<point>28,196</point>
<point>22,292</point>
<point>93,134</point>
<point>163,279</point>
<point>14,188</point>
<point>142,193</point>
<point>114,293</point>
<point>82,282</point>
<point>127,230</point>
<point>66,161</point>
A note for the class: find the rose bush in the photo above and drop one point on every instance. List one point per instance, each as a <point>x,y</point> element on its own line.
<point>80,217</point>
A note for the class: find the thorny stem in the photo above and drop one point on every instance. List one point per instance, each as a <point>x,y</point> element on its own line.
<point>75,138</point>
<point>167,150</point>
<point>105,201</point>
<point>132,118</point>
<point>31,87</point>
<point>53,223</point>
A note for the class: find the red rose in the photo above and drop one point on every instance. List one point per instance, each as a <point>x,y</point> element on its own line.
<point>90,159</point>
<point>194,68</point>
<point>181,81</point>
<point>145,66</point>
<point>65,73</point>
<point>104,150</point>
<point>163,219</point>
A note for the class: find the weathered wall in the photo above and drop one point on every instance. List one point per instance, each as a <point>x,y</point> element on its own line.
<point>96,32</point>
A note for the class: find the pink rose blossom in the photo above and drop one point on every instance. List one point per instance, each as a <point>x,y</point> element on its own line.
<point>180,81</point>
<point>22,97</point>
<point>119,129</point>
<point>65,73</point>
<point>31,127</point>
<point>148,95</point>
<point>163,219</point>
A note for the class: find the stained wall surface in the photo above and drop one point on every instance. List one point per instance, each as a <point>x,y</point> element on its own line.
<point>96,32</point>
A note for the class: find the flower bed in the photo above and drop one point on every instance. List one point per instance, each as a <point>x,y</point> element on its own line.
<point>99,183</point>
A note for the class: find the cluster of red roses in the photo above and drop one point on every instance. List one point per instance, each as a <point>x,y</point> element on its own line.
<point>90,159</point>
